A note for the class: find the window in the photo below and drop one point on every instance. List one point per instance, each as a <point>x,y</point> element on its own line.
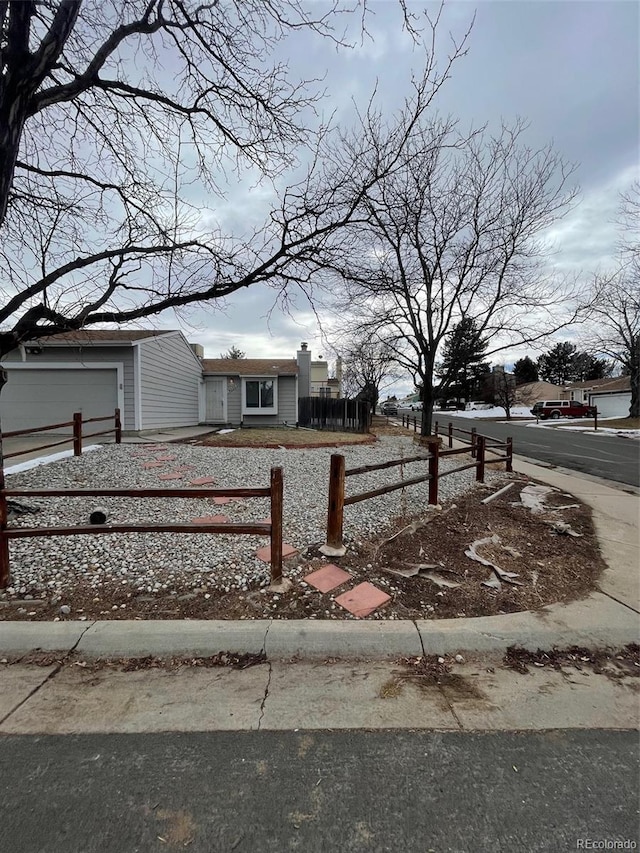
<point>259,396</point>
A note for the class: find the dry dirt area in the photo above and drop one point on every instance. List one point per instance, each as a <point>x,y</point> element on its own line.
<point>287,438</point>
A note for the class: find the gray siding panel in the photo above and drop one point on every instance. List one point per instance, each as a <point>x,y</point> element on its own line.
<point>287,401</point>
<point>87,356</point>
<point>170,380</point>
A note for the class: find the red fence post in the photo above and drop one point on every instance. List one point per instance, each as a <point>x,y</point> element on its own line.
<point>118,427</point>
<point>335,513</point>
<point>277,494</point>
<point>474,433</point>
<point>450,434</point>
<point>77,433</point>
<point>435,428</point>
<point>509,454</point>
<point>480,450</point>
<point>434,455</point>
<point>415,428</point>
<point>595,421</point>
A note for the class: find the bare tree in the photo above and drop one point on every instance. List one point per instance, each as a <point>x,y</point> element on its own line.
<point>614,303</point>
<point>615,307</point>
<point>115,115</point>
<point>453,234</point>
<point>367,364</point>
<point>501,389</point>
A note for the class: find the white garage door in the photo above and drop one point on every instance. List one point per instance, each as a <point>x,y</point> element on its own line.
<point>36,397</point>
<point>612,405</point>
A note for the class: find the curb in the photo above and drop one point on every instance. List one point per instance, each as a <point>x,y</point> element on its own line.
<point>595,621</point>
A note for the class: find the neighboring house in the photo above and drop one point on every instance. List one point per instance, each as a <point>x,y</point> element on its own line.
<point>530,392</point>
<point>612,399</point>
<point>581,390</point>
<point>154,377</point>
<point>321,384</point>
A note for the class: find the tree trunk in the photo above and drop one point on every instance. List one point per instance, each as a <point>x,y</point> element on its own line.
<point>427,408</point>
<point>634,377</point>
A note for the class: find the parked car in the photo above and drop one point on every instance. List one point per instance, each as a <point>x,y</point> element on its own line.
<point>416,407</point>
<point>389,408</point>
<point>555,409</point>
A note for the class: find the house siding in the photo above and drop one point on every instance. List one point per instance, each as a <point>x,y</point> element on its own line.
<point>170,378</point>
<point>88,356</point>
<point>287,403</point>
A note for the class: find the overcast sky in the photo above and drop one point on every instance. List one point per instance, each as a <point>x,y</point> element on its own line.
<point>570,68</point>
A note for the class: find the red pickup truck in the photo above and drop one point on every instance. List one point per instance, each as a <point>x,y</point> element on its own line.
<point>562,409</point>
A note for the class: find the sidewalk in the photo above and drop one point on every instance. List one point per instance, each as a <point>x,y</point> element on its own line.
<point>478,695</point>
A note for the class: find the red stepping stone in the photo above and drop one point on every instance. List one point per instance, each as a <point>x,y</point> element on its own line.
<point>328,577</point>
<point>153,465</point>
<point>266,520</point>
<point>165,458</point>
<point>202,481</point>
<point>211,519</point>
<point>173,476</point>
<point>220,501</point>
<point>362,599</point>
<point>264,554</point>
<point>184,468</point>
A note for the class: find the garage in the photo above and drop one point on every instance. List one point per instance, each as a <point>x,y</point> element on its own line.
<point>611,405</point>
<point>37,396</point>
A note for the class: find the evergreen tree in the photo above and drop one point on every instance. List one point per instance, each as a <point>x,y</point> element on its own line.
<point>233,353</point>
<point>462,359</point>
<point>525,370</point>
<point>565,363</point>
<point>558,365</point>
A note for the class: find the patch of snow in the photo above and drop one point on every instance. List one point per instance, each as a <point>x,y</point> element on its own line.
<point>624,433</point>
<point>225,431</point>
<point>491,412</point>
<point>45,460</point>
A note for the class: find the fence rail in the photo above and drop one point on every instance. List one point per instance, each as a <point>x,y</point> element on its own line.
<point>273,528</point>
<point>338,474</point>
<point>491,444</point>
<point>76,438</point>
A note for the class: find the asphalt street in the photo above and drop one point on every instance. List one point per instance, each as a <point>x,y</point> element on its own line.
<point>319,791</point>
<point>608,456</point>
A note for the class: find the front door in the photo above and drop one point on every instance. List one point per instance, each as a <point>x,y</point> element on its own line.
<point>215,411</point>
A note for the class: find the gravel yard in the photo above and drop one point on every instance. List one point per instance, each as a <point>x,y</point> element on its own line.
<point>543,548</point>
<point>151,565</point>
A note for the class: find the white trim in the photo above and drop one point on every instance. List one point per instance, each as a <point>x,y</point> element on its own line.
<point>202,401</point>
<point>137,391</point>
<point>251,410</point>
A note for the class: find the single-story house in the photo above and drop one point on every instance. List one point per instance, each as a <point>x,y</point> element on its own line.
<point>156,378</point>
<point>613,398</point>
<point>530,392</point>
